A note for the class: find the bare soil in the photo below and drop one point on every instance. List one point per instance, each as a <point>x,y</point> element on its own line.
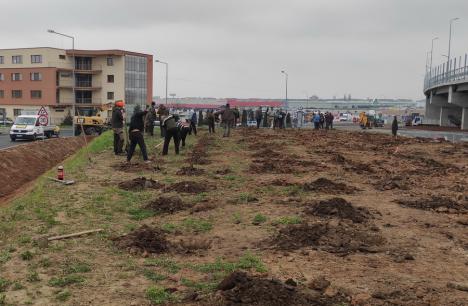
<point>167,205</point>
<point>188,187</point>
<point>439,204</point>
<point>136,167</point>
<point>139,184</point>
<point>190,171</point>
<point>338,208</point>
<point>144,240</point>
<point>324,185</point>
<point>36,158</point>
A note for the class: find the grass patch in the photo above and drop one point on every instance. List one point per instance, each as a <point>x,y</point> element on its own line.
<point>197,225</point>
<point>27,255</point>
<point>76,266</point>
<point>140,214</point>
<point>33,277</point>
<point>4,257</point>
<point>246,197</point>
<point>246,262</point>
<point>66,280</point>
<point>151,275</point>
<point>288,220</point>
<point>259,218</point>
<point>165,263</point>
<point>63,296</point>
<point>199,286</point>
<point>158,295</point>
<point>4,284</point>
<point>169,227</point>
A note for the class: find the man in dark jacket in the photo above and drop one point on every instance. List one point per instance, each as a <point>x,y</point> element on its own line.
<point>265,118</point>
<point>162,113</point>
<point>193,122</point>
<point>394,126</point>
<point>170,126</point>
<point>258,116</point>
<point>117,126</point>
<point>135,131</point>
<point>210,118</point>
<point>227,118</point>
<point>244,118</point>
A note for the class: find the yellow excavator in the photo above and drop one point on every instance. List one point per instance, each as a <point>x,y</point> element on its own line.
<point>92,123</point>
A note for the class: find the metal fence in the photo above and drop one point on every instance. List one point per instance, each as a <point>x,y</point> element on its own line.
<point>454,71</point>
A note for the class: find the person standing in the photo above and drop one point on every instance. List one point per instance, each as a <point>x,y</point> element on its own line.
<point>200,118</point>
<point>394,126</point>
<point>117,123</point>
<point>265,118</point>
<point>316,120</point>
<point>193,121</point>
<point>162,113</point>
<point>228,119</point>
<point>258,116</point>
<point>322,120</point>
<point>136,129</point>
<point>331,120</point>
<point>150,117</point>
<point>210,118</point>
<point>288,120</point>
<point>300,118</point>
<point>244,118</point>
<point>170,125</point>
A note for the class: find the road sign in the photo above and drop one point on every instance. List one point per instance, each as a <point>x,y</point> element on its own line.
<point>43,116</point>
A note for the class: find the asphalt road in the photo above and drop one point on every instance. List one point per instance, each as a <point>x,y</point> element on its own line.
<point>5,141</point>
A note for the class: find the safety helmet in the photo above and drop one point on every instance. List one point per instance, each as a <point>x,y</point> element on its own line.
<point>120,103</point>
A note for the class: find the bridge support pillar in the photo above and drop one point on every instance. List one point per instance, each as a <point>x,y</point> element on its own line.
<point>432,114</point>
<point>446,112</point>
<point>464,121</point>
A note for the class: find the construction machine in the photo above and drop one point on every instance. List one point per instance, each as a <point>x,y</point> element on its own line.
<point>92,121</point>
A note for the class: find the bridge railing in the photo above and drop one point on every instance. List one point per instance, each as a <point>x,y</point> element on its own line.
<point>451,72</point>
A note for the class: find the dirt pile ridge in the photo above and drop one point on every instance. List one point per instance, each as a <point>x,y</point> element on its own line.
<point>167,205</point>
<point>139,184</point>
<point>144,239</point>
<point>239,288</point>
<point>338,238</point>
<point>439,204</point>
<point>190,171</point>
<point>325,185</point>
<point>187,187</point>
<point>136,167</point>
<point>340,208</point>
<point>24,163</point>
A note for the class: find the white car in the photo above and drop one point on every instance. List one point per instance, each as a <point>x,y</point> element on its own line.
<point>29,127</point>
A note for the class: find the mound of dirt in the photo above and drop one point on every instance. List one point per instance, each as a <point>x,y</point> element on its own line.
<point>272,166</point>
<point>187,187</point>
<point>136,167</point>
<point>190,171</point>
<point>393,182</point>
<point>439,204</point>
<point>281,182</point>
<point>338,238</point>
<point>167,205</point>
<point>239,288</point>
<point>223,171</point>
<point>191,245</point>
<point>144,239</point>
<point>139,184</point>
<point>325,185</point>
<point>340,208</point>
<point>36,158</point>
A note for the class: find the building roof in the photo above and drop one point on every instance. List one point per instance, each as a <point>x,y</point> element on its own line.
<point>110,52</point>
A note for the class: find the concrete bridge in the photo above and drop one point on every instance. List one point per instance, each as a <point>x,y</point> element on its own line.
<point>446,90</point>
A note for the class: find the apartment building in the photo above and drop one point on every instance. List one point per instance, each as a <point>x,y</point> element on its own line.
<point>35,77</point>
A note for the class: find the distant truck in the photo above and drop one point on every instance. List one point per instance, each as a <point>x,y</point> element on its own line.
<point>29,127</point>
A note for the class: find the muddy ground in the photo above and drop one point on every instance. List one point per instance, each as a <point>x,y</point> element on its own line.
<point>262,218</point>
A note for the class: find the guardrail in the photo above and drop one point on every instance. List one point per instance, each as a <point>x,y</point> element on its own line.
<point>447,73</point>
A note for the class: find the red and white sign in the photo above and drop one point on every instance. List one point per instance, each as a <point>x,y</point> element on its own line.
<point>43,116</point>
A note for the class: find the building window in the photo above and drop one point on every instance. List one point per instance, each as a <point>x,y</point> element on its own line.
<point>2,94</point>
<point>17,59</point>
<point>110,61</point>
<point>65,74</point>
<point>16,94</point>
<point>36,76</point>
<point>61,56</point>
<point>110,78</point>
<point>17,112</point>
<point>2,60</point>
<point>16,76</point>
<point>36,59</point>
<point>2,77</point>
<point>110,95</point>
<point>36,94</point>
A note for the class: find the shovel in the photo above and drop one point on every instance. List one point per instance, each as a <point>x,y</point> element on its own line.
<point>64,182</point>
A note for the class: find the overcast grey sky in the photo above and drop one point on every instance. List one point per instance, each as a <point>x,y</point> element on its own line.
<point>237,48</point>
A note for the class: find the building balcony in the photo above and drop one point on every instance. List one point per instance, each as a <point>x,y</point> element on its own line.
<point>80,85</point>
<point>88,69</point>
<point>80,101</point>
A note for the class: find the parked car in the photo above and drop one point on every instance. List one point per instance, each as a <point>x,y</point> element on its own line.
<point>29,127</point>
<point>7,121</point>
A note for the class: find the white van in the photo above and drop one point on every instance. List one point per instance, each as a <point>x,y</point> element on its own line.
<point>29,127</point>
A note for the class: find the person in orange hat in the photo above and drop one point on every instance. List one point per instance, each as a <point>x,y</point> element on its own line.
<point>117,122</point>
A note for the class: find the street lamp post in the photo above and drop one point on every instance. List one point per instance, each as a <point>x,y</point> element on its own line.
<point>286,76</point>
<point>167,74</point>
<point>450,43</point>
<point>432,51</point>
<point>73,74</point>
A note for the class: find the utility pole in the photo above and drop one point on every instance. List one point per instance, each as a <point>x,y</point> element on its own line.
<point>286,75</point>
<point>167,74</point>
